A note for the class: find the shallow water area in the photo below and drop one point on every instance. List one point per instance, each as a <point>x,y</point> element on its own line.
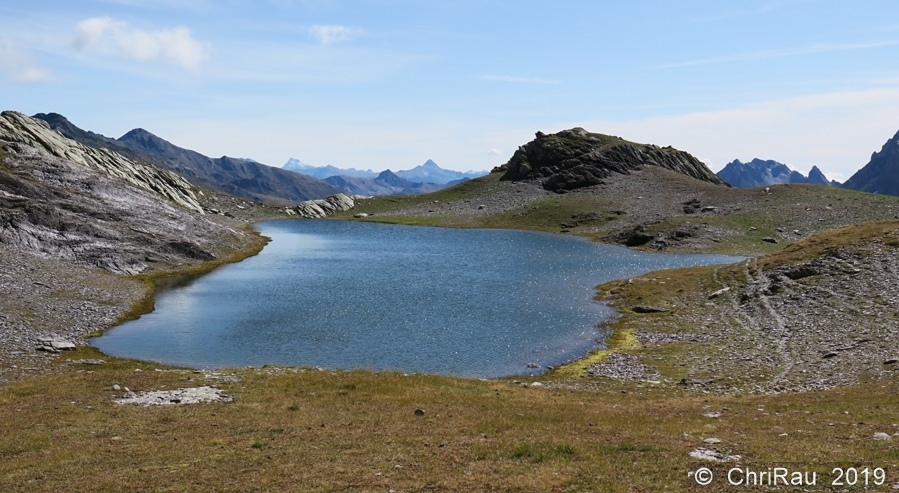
<point>342,294</point>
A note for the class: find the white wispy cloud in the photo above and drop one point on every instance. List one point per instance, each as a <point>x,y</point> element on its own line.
<point>768,54</point>
<point>333,33</point>
<point>17,65</point>
<point>516,80</point>
<point>108,36</point>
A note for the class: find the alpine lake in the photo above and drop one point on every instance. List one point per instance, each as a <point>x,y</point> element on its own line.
<point>347,295</point>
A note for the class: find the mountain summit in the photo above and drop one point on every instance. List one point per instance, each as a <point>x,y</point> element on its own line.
<point>430,172</point>
<point>881,174</point>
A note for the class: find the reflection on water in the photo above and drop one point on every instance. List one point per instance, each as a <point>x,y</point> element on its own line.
<point>359,295</point>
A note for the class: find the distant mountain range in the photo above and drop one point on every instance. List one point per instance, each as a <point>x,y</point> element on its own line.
<point>758,173</point>
<point>322,172</point>
<point>424,178</point>
<point>386,183</point>
<point>236,176</point>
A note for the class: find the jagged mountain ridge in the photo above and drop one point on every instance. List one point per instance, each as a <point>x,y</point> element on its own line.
<point>881,174</point>
<point>429,172</point>
<point>760,172</point>
<point>323,172</point>
<point>575,158</point>
<point>235,176</point>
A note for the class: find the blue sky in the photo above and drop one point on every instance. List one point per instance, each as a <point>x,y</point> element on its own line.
<point>391,83</point>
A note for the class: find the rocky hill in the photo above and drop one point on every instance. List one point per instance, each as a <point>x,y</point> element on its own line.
<point>758,173</point>
<point>16,127</point>
<point>239,177</point>
<point>575,158</point>
<point>881,174</point>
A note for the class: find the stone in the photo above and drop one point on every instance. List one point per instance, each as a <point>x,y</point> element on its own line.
<point>360,215</point>
<point>648,309</point>
<point>769,239</point>
<point>193,395</point>
<point>320,208</point>
<point>891,361</point>
<point>54,344</point>
<point>713,455</point>
<point>712,441</point>
<point>533,365</point>
<point>719,292</point>
<point>882,436</point>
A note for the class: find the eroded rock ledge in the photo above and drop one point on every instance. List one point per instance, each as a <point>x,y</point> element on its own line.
<point>16,127</point>
<point>313,209</point>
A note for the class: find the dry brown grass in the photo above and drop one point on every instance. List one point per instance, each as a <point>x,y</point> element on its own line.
<point>308,430</point>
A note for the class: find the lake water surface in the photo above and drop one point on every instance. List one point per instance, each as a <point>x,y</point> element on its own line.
<point>339,294</point>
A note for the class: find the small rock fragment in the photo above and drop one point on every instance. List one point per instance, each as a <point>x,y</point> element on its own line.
<point>648,309</point>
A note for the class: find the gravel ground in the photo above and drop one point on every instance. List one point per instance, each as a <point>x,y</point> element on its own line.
<point>42,297</point>
<point>827,322</point>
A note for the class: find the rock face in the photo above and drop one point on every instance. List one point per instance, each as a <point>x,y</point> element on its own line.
<point>316,209</point>
<point>16,127</point>
<point>239,177</point>
<point>881,174</point>
<point>758,173</point>
<point>575,158</point>
<point>65,201</point>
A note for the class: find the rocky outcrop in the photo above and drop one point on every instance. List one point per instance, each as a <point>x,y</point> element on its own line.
<point>16,127</point>
<point>881,174</point>
<point>316,209</point>
<point>575,158</point>
<point>66,210</point>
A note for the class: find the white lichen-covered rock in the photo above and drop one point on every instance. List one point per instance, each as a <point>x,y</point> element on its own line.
<point>314,209</point>
<point>16,127</point>
<point>192,395</point>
